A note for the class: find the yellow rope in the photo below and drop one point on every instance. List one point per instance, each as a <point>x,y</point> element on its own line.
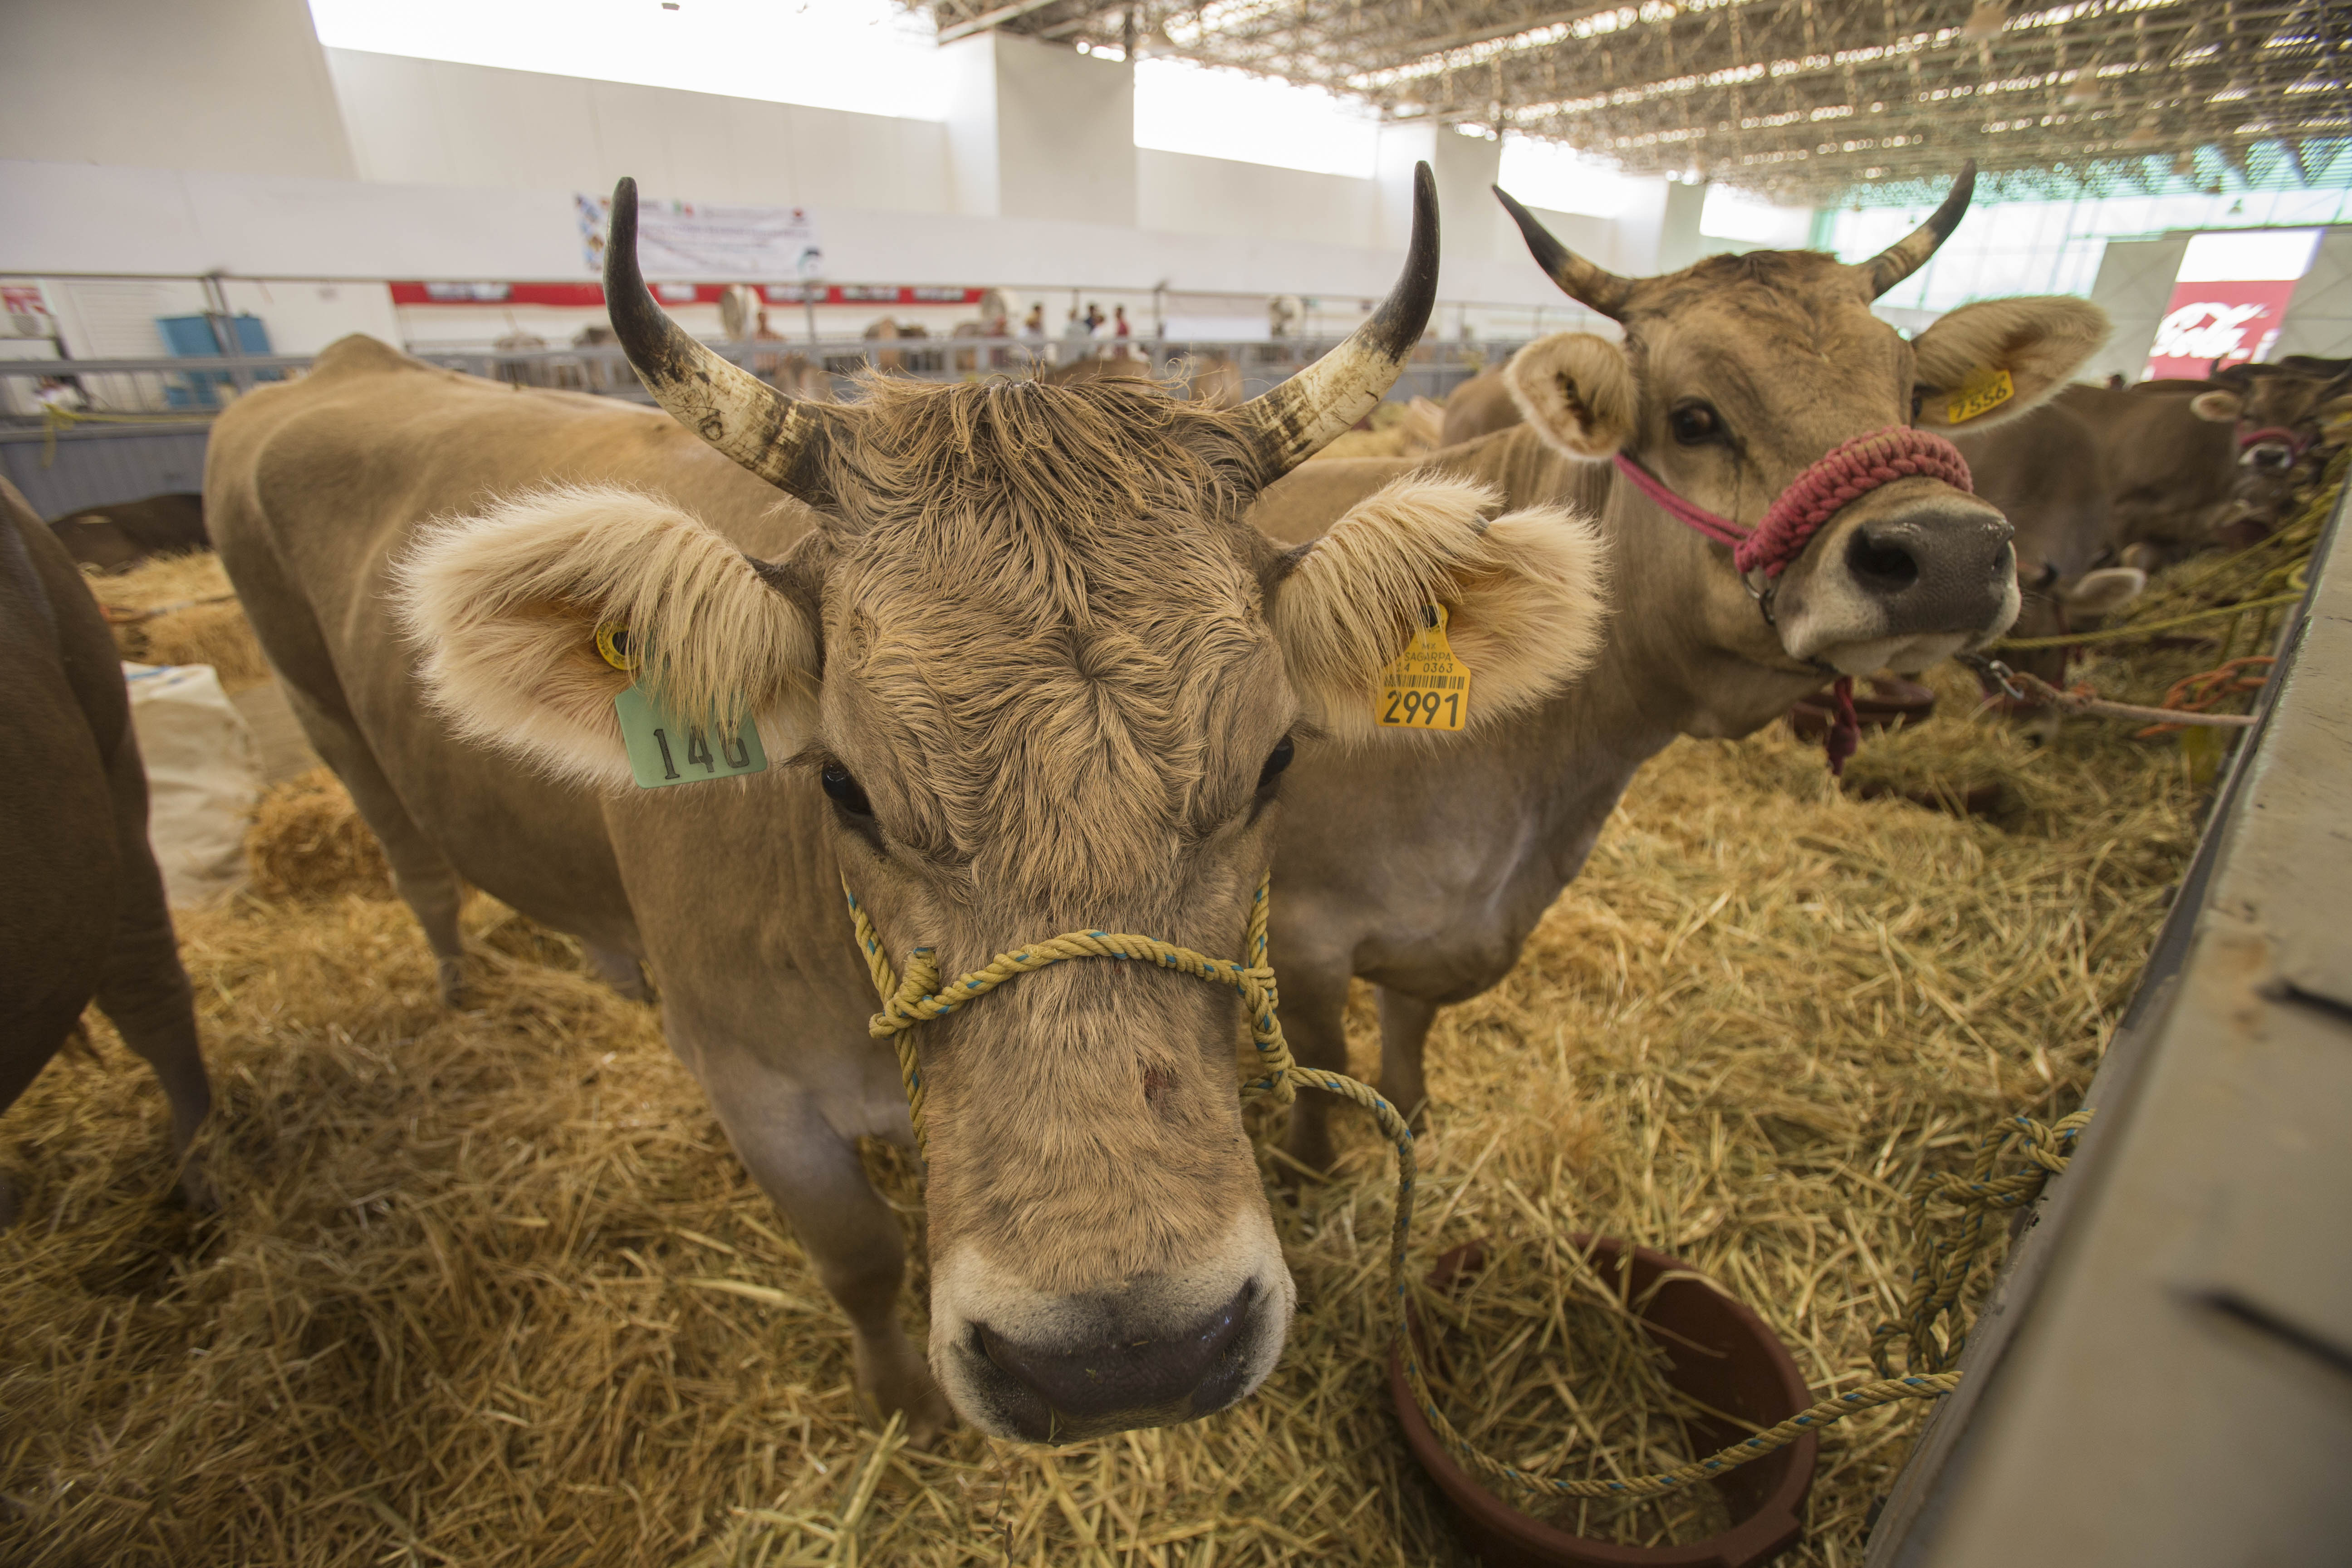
<point>2124,634</point>
<point>1939,1269</point>
<point>916,996</point>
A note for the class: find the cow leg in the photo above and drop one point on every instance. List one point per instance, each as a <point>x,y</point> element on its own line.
<point>621,971</point>
<point>421,874</point>
<point>147,997</point>
<point>1404,1031</point>
<point>812,1173</point>
<point>143,990</point>
<point>1314,1020</point>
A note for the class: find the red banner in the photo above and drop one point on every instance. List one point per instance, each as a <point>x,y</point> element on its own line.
<point>2212,325</point>
<point>591,296</point>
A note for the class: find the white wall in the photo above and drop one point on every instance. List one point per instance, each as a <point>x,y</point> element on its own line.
<point>1252,201</point>
<point>1064,133</point>
<point>196,84</point>
<point>231,142</point>
<point>2319,320</point>
<point>433,123</point>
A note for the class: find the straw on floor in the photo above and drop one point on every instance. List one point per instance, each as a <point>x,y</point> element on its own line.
<point>490,1289</point>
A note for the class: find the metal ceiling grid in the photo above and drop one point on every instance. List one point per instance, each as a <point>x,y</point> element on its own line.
<point>1812,103</point>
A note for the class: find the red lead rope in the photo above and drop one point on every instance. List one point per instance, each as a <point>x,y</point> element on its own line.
<point>1847,471</point>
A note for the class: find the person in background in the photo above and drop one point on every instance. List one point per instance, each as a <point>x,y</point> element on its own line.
<point>1078,333</point>
<point>1120,330</point>
<point>1032,326</point>
<point>1095,319</point>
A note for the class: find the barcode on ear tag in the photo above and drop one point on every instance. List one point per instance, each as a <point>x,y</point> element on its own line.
<point>1985,390</point>
<point>664,749</point>
<point>1426,687</point>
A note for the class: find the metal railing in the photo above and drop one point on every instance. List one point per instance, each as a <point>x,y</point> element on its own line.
<point>89,397</point>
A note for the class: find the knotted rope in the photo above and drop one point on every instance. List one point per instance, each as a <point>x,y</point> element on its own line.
<point>916,996</point>
<point>1843,474</point>
<point>1940,1268</point>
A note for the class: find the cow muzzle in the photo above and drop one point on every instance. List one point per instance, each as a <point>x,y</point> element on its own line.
<point>1157,1352</point>
<point>1904,586</point>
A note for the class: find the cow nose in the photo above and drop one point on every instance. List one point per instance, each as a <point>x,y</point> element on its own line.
<point>1929,565</point>
<point>1118,1381</point>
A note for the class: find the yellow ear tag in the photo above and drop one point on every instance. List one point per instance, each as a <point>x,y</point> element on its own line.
<point>619,647</point>
<point>1984,391</point>
<point>1427,688</point>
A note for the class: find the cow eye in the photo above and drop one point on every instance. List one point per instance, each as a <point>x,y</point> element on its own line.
<point>1276,761</point>
<point>844,790</point>
<point>1693,424</point>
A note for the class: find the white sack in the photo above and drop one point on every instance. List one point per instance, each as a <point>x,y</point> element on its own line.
<point>203,777</point>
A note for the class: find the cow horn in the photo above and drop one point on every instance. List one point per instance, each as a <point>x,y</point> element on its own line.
<point>1580,279</point>
<point>780,438</point>
<point>1309,411</point>
<point>1898,262</point>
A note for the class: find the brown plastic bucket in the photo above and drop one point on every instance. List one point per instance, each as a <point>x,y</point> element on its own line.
<point>1722,1355</point>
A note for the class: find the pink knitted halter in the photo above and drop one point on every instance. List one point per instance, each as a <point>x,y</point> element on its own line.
<point>1847,471</point>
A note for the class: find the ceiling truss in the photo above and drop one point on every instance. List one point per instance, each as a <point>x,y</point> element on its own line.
<point>1812,102</point>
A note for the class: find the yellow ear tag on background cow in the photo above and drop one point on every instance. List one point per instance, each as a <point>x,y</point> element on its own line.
<point>664,750</point>
<point>1986,389</point>
<point>1427,688</point>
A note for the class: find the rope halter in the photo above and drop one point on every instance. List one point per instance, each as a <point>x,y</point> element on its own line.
<point>916,996</point>
<point>1847,472</point>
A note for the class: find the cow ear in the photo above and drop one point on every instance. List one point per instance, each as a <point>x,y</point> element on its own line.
<point>508,605</point>
<point>1524,594</point>
<point>1577,391</point>
<point>2104,590</point>
<point>2216,407</point>
<point>1993,361</point>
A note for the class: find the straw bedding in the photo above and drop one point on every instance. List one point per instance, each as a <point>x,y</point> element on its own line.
<point>488,1288</point>
<point>185,614</point>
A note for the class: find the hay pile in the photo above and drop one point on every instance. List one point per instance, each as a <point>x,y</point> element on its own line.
<point>180,609</point>
<point>489,1287</point>
<point>307,841</point>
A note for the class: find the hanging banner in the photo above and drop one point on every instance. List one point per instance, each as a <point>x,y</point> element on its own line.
<point>697,239</point>
<point>591,296</point>
<point>2209,326</point>
<point>2229,300</point>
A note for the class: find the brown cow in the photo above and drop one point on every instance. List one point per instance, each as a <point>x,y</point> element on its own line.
<point>2045,473</point>
<point>2168,472</point>
<point>82,915</point>
<point>1424,870</point>
<point>1018,666</point>
<point>1479,407</point>
<point>2288,420</point>
<point>117,538</point>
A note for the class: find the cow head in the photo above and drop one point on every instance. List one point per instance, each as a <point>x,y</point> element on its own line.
<point>1034,673</point>
<point>1739,372</point>
<point>2290,418</point>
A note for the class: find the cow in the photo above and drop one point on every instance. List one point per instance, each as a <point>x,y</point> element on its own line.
<point>2288,419</point>
<point>82,913</point>
<point>116,538</point>
<point>1422,870</point>
<point>2044,472</point>
<point>1479,407</point>
<point>2168,472</point>
<point>1017,666</point>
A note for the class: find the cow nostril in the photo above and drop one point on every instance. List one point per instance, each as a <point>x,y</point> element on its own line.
<point>1881,564</point>
<point>1119,1380</point>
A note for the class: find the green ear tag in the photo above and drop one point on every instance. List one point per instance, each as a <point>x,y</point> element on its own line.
<point>664,751</point>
